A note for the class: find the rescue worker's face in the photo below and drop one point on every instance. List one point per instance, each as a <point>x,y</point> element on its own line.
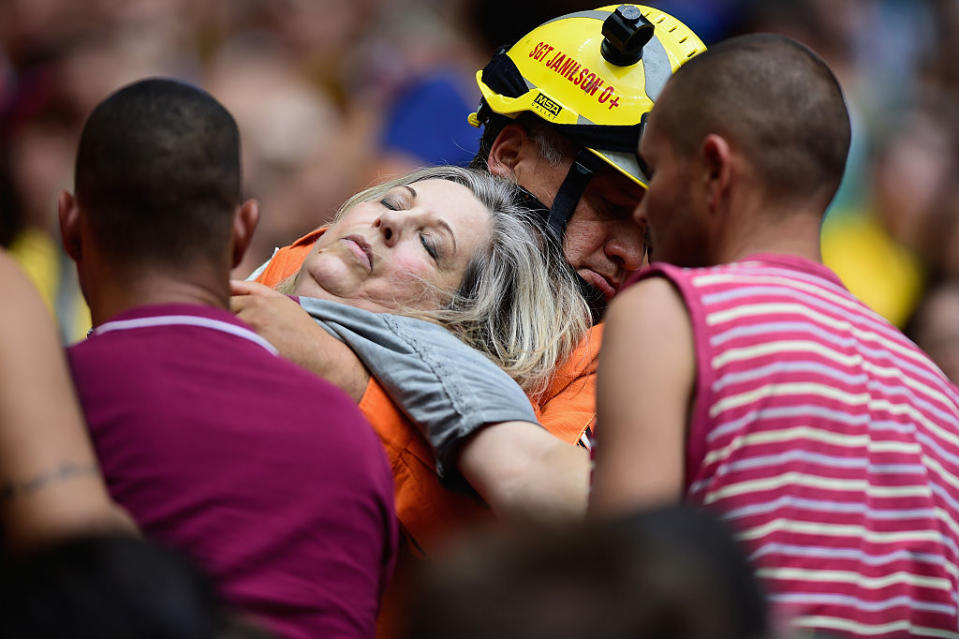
<point>602,242</point>
<point>407,250</point>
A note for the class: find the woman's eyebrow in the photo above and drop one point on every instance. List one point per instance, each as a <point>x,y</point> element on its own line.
<point>449,231</point>
<point>411,190</point>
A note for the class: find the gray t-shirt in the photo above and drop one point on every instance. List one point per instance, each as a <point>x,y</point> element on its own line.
<point>446,388</point>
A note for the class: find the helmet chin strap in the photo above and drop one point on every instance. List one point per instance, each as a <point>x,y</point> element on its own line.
<point>568,196</point>
<point>576,181</point>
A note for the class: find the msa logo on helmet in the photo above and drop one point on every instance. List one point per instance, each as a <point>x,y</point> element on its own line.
<point>547,105</point>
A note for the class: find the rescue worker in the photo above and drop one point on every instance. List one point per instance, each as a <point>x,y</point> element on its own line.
<point>562,111</point>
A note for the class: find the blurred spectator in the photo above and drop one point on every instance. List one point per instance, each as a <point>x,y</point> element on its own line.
<point>938,241</point>
<point>430,52</point>
<point>320,33</point>
<point>292,139</point>
<point>11,213</point>
<point>373,65</point>
<point>111,588</point>
<point>36,134</point>
<point>414,70</point>
<point>884,53</point>
<point>38,129</point>
<point>672,573</point>
<point>883,250</point>
<point>935,327</point>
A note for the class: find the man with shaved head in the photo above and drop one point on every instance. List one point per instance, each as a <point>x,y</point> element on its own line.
<point>265,475</point>
<point>740,374</point>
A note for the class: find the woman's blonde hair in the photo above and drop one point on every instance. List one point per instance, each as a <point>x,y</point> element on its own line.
<point>519,301</point>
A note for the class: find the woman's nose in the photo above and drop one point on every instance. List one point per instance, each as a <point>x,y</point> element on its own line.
<point>391,225</point>
<point>395,224</point>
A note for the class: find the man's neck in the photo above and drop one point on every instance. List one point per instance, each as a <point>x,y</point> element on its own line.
<point>785,232</point>
<point>116,296</point>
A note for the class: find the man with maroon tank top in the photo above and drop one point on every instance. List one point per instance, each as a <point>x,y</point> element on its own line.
<point>267,476</point>
<point>740,374</point>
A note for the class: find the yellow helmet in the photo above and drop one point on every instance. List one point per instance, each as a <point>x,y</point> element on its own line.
<point>591,74</point>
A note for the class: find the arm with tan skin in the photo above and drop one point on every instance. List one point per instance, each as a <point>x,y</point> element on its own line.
<point>518,468</point>
<point>50,483</point>
<point>646,377</point>
<point>282,322</point>
<point>526,474</point>
<point>536,473</point>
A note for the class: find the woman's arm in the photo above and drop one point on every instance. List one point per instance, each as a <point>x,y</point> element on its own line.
<point>290,329</point>
<point>526,474</point>
<point>477,419</point>
<point>50,483</point>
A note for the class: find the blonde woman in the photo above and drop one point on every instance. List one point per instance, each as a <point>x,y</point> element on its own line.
<point>408,273</point>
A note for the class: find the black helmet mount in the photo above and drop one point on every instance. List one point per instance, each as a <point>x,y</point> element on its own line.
<point>626,31</point>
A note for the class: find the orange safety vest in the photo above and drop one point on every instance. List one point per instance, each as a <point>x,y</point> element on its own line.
<point>428,511</point>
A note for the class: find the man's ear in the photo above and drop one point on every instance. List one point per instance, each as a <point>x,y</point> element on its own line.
<point>717,169</point>
<point>69,215</point>
<point>507,150</point>
<point>244,224</point>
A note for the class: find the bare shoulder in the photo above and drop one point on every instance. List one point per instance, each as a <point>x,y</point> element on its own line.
<point>650,303</point>
<point>648,335</point>
<point>12,278</point>
<point>648,332</point>
<point>31,324</point>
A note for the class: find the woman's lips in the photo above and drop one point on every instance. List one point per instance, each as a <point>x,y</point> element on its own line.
<point>361,248</point>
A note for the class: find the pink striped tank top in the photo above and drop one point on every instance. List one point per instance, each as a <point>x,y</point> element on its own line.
<point>829,442</point>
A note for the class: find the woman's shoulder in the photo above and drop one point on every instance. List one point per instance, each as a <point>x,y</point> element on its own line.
<point>286,261</point>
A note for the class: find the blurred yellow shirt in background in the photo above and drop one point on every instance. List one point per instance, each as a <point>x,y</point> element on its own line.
<point>40,256</point>
<point>886,276</point>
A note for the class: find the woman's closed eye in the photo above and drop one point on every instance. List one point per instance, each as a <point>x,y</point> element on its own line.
<point>430,246</point>
<point>399,198</point>
<point>391,203</point>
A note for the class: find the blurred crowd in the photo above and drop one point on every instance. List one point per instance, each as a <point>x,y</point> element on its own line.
<point>323,93</point>
<point>331,96</point>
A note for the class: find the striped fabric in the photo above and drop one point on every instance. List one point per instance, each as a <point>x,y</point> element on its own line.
<point>830,443</point>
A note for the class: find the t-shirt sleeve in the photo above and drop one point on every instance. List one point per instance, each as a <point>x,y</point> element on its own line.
<point>446,388</point>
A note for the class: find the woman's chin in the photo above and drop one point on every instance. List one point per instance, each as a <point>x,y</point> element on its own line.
<point>319,280</point>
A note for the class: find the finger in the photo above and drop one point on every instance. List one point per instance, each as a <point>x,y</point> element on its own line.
<point>239,303</point>
<point>243,287</point>
<point>239,287</point>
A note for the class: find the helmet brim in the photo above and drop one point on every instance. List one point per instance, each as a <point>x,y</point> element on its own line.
<point>625,163</point>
